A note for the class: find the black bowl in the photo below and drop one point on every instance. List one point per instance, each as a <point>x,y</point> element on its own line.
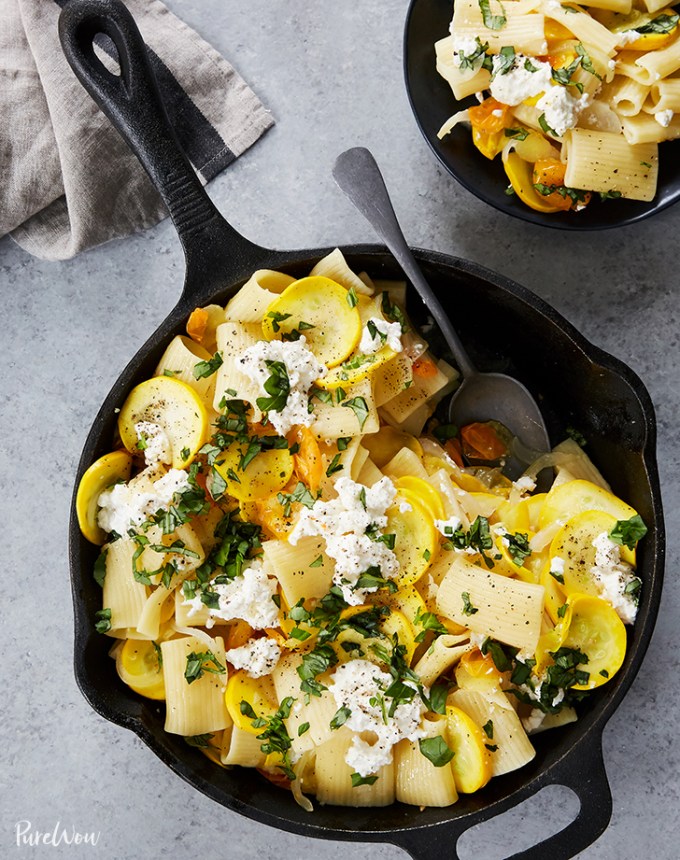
<point>433,103</point>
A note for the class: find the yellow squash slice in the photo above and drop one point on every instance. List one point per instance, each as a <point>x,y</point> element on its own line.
<point>258,695</point>
<point>107,470</point>
<point>138,665</point>
<point>520,174</point>
<point>330,319</point>
<point>425,493</point>
<point>471,763</point>
<point>575,497</point>
<point>594,628</point>
<point>574,544</point>
<point>175,407</point>
<point>416,537</point>
<point>266,474</point>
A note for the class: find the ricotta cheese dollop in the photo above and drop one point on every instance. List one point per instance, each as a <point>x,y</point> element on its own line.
<point>258,656</point>
<point>342,522</point>
<point>356,685</point>
<point>157,448</point>
<point>515,85</point>
<point>302,368</point>
<point>378,333</point>
<point>247,596</point>
<point>613,576</point>
<point>124,506</point>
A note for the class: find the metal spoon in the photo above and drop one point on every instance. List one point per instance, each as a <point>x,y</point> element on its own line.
<point>481,396</point>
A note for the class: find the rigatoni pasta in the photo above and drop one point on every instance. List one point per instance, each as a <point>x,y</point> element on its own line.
<point>316,592</point>
<point>554,72</point>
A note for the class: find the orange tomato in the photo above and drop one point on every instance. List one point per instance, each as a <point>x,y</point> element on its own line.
<point>488,121</point>
<point>196,324</point>
<point>550,172</point>
<point>489,116</point>
<point>455,452</point>
<point>424,367</point>
<point>481,441</point>
<point>308,462</point>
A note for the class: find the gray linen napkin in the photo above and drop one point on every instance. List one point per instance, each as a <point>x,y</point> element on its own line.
<point>67,180</point>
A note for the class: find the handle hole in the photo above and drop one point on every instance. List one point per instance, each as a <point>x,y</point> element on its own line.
<point>530,822</point>
<point>106,52</point>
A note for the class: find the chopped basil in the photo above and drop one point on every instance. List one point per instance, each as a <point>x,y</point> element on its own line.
<point>518,547</point>
<point>645,164</point>
<point>445,432</point>
<point>393,312</point>
<point>506,61</point>
<point>660,24</point>
<point>529,66</point>
<point>103,623</point>
<point>586,62</point>
<point>558,576</point>
<point>577,436</point>
<point>360,408</point>
<point>491,747</point>
<point>352,299</point>
<point>628,532</point>
<point>276,737</point>
<point>468,608</point>
<point>206,368</point>
<point>277,318</point>
<point>99,572</point>
<point>516,133</point>
<point>509,191</point>
<point>277,386</point>
<point>343,442</point>
<point>487,728</point>
<point>300,494</point>
<point>428,621</point>
<point>609,195</point>
<point>303,729</point>
<point>202,742</point>
<point>372,579</point>
<point>340,717</point>
<point>492,22</point>
<point>199,662</point>
<point>543,122</point>
<point>436,750</point>
<point>334,466</point>
<point>562,611</point>
<point>468,61</point>
<point>437,698</point>
<point>358,779</point>
<point>318,561</point>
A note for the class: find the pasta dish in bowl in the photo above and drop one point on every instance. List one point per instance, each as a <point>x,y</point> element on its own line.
<point>322,580</point>
<point>569,107</point>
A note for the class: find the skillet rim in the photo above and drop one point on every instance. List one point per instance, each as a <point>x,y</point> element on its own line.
<point>591,724</point>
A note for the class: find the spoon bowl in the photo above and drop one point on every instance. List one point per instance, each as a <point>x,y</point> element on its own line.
<point>481,396</point>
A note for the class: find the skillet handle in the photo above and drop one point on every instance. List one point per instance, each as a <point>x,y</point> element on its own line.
<point>584,773</point>
<point>133,103</point>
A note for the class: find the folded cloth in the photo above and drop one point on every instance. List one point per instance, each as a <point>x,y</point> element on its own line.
<point>67,179</point>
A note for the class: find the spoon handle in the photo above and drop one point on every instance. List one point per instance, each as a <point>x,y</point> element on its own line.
<point>358,175</point>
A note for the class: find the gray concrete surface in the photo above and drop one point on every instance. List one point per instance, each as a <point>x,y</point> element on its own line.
<point>331,73</point>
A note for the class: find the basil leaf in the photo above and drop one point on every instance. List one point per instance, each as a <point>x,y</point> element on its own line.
<point>492,22</point>
<point>628,532</point>
<point>436,750</point>
<point>204,369</point>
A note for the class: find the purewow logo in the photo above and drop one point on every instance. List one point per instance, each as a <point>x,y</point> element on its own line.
<point>27,835</point>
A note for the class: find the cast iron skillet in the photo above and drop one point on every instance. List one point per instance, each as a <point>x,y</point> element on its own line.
<point>506,328</point>
<point>427,22</point>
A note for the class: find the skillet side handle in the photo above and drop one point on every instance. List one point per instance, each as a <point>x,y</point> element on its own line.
<point>133,103</point>
<point>584,773</point>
